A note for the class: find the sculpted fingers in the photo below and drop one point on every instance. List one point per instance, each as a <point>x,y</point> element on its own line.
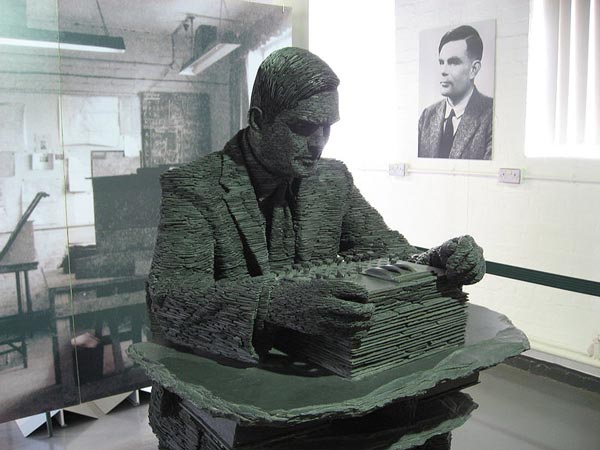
<point>467,264</point>
<point>349,329</point>
<point>350,291</point>
<point>464,246</point>
<point>466,254</point>
<point>349,318</point>
<point>447,249</point>
<point>321,307</point>
<point>473,253</point>
<point>476,274</point>
<point>350,311</point>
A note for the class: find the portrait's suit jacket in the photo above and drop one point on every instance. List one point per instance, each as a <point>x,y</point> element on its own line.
<point>473,138</point>
<point>210,272</point>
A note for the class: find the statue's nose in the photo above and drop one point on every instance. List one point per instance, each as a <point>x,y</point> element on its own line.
<point>318,138</point>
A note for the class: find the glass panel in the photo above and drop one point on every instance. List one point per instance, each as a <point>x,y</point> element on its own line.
<point>93,126</point>
<point>126,117</point>
<point>34,344</point>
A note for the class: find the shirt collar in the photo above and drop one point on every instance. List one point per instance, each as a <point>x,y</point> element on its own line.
<point>459,108</point>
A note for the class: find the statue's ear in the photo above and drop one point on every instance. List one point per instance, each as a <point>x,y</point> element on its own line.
<point>255,118</point>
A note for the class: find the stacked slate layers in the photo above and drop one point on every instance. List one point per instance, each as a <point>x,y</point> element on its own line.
<point>416,315</point>
<point>179,425</point>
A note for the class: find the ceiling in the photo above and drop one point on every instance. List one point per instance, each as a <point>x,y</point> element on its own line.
<point>148,16</point>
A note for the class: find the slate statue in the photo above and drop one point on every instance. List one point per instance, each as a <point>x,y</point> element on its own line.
<point>233,222</point>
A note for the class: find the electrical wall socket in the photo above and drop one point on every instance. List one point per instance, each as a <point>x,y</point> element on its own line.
<point>397,170</point>
<point>512,176</point>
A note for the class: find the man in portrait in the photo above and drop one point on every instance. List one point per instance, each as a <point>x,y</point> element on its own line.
<point>235,221</point>
<point>460,125</point>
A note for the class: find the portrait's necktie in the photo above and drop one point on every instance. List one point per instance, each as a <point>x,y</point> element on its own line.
<point>447,137</point>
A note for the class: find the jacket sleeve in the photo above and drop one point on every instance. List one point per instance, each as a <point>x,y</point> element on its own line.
<point>364,231</point>
<point>190,307</point>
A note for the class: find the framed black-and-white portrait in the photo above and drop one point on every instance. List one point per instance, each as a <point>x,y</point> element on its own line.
<point>456,91</point>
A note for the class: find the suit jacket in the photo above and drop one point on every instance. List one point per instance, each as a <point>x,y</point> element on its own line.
<point>210,276</point>
<point>473,138</point>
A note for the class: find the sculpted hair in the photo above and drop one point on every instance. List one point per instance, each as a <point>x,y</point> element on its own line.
<point>470,35</point>
<point>287,76</point>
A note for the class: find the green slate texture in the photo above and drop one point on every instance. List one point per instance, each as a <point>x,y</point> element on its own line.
<point>257,396</point>
<point>416,314</point>
<point>433,418</point>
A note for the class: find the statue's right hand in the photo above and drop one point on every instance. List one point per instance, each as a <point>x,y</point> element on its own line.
<point>321,307</point>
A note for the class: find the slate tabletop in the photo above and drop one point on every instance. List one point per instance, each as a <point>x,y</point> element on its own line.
<point>274,394</point>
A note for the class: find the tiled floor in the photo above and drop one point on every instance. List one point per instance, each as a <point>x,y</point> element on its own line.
<point>517,411</point>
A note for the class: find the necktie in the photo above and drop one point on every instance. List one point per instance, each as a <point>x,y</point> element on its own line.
<point>280,233</point>
<point>447,137</point>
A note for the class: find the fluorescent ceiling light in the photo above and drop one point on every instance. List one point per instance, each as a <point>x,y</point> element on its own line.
<point>208,58</point>
<point>61,40</point>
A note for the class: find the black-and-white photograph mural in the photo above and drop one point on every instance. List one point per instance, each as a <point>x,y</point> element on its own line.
<point>456,90</point>
<point>87,128</point>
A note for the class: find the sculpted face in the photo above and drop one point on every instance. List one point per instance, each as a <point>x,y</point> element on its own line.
<point>457,70</point>
<point>291,145</point>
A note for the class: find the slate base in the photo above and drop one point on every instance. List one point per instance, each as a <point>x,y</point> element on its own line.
<point>201,404</point>
<point>410,424</point>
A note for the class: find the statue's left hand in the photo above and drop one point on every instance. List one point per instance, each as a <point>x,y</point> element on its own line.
<point>463,260</point>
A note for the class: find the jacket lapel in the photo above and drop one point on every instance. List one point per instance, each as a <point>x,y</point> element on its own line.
<point>437,123</point>
<point>241,202</point>
<point>467,127</point>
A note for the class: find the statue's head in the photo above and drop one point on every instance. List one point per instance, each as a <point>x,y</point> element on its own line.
<point>293,105</point>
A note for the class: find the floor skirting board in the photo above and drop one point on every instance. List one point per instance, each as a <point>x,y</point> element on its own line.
<point>555,371</point>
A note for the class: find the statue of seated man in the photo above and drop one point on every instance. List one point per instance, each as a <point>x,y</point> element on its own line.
<point>233,221</point>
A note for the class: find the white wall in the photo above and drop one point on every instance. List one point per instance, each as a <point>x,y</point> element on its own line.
<point>545,225</point>
<point>357,40</point>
